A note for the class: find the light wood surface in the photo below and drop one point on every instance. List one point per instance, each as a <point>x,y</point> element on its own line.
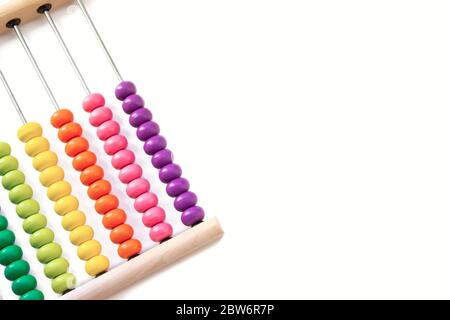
<point>25,10</point>
<point>149,262</point>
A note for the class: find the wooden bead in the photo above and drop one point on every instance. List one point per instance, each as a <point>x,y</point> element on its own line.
<point>66,205</point>
<point>51,175</point>
<point>59,190</point>
<point>81,234</point>
<point>97,265</point>
<point>61,118</point>
<point>76,146</point>
<point>89,249</point>
<point>29,131</point>
<point>130,249</point>
<point>69,131</point>
<point>45,160</point>
<point>91,175</point>
<point>36,146</point>
<point>121,234</point>
<point>73,220</point>
<point>106,204</point>
<point>99,189</point>
<point>114,218</point>
<point>84,160</point>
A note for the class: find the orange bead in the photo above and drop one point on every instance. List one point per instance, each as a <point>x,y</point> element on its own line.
<point>106,203</point>
<point>84,160</point>
<point>99,189</point>
<point>76,146</point>
<point>121,233</point>
<point>61,118</point>
<point>114,218</point>
<point>69,131</point>
<point>91,175</point>
<point>130,249</point>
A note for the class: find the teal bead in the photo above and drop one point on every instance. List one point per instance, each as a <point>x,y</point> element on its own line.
<point>16,270</point>
<point>10,254</point>
<point>49,252</point>
<point>13,179</point>
<point>42,237</point>
<point>8,164</point>
<point>3,223</point>
<point>7,238</point>
<point>34,223</point>
<point>24,284</point>
<point>20,193</point>
<point>33,295</point>
<point>5,149</point>
<point>28,208</point>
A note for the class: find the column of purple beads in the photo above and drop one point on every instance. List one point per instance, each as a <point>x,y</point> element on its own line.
<point>155,146</point>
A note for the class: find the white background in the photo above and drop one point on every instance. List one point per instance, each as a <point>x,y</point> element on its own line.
<point>317,131</point>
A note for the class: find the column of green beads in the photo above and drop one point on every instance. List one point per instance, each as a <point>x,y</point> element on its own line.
<point>42,238</point>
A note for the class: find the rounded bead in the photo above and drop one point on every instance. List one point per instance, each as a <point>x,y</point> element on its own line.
<point>64,282</point>
<point>100,116</point>
<point>132,103</point>
<point>162,159</point>
<point>108,130</point>
<point>170,173</point>
<point>51,175</point>
<point>89,249</point>
<point>97,265</point>
<point>177,187</point>
<point>41,238</point>
<point>59,190</point>
<point>124,89</point>
<point>93,102</point>
<point>130,249</point>
<point>185,200</point>
<point>121,233</point>
<point>122,159</point>
<point>130,173</point>
<point>29,131</point>
<point>140,116</point>
<point>34,223</point>
<point>33,295</point>
<point>66,205</point>
<point>5,149</point>
<point>115,144</point>
<point>13,179</point>
<point>148,130</point>
<point>76,146</point>
<point>145,202</point>
<point>24,284</point>
<point>49,252</point>
<point>69,131</point>
<point>3,223</point>
<point>192,216</point>
<point>137,187</point>
<point>106,204</point>
<point>16,270</point>
<point>153,216</point>
<point>81,234</point>
<point>56,268</point>
<point>114,218</point>
<point>20,193</point>
<point>155,144</point>
<point>45,160</point>
<point>91,175</point>
<point>61,118</point>
<point>161,232</point>
<point>8,164</point>
<point>7,238</point>
<point>10,254</point>
<point>73,220</point>
<point>36,146</point>
<point>27,208</point>
<point>84,160</point>
<point>99,189</point>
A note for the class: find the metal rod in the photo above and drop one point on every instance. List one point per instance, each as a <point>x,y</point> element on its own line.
<point>13,98</point>
<point>66,51</point>
<point>36,67</point>
<point>99,38</point>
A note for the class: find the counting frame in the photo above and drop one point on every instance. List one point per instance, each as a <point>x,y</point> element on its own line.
<point>137,264</point>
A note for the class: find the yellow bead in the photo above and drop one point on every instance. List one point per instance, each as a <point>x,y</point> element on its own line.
<point>66,205</point>
<point>97,265</point>
<point>59,190</point>
<point>73,220</point>
<point>45,160</point>
<point>89,249</point>
<point>51,175</point>
<point>29,131</point>
<point>81,234</point>
<point>36,146</point>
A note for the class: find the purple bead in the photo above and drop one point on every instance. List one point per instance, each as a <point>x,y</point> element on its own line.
<point>155,144</point>
<point>192,216</point>
<point>147,130</point>
<point>177,187</point>
<point>162,159</point>
<point>170,173</point>
<point>124,89</point>
<point>140,117</point>
<point>133,103</point>
<point>185,201</point>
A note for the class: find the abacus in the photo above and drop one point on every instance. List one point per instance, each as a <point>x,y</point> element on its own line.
<point>136,262</point>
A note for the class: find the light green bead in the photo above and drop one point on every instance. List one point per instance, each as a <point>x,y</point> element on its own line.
<point>63,283</point>
<point>56,268</point>
<point>49,252</point>
<point>13,179</point>
<point>20,193</point>
<point>42,237</point>
<point>27,208</point>
<point>8,164</point>
<point>34,223</point>
<point>3,223</point>
<point>5,149</point>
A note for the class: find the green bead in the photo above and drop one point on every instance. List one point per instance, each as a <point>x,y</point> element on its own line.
<point>42,237</point>
<point>20,193</point>
<point>24,284</point>
<point>16,270</point>
<point>7,238</point>
<point>56,268</point>
<point>33,295</point>
<point>5,149</point>
<point>49,252</point>
<point>34,223</point>
<point>13,179</point>
<point>8,164</point>
<point>64,283</point>
<point>10,254</point>
<point>27,208</point>
<point>3,223</point>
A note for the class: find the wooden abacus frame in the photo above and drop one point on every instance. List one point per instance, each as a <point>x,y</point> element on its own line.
<point>149,262</point>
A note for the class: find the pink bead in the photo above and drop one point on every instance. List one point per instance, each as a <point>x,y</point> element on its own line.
<point>145,202</point>
<point>153,217</point>
<point>161,232</point>
<point>100,116</point>
<point>122,159</point>
<point>93,101</point>
<point>138,187</point>
<point>107,130</point>
<point>115,144</point>
<point>130,173</point>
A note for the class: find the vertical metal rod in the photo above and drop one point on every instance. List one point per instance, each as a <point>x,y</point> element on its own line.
<point>66,51</point>
<point>13,98</point>
<point>99,38</point>
<point>36,67</point>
